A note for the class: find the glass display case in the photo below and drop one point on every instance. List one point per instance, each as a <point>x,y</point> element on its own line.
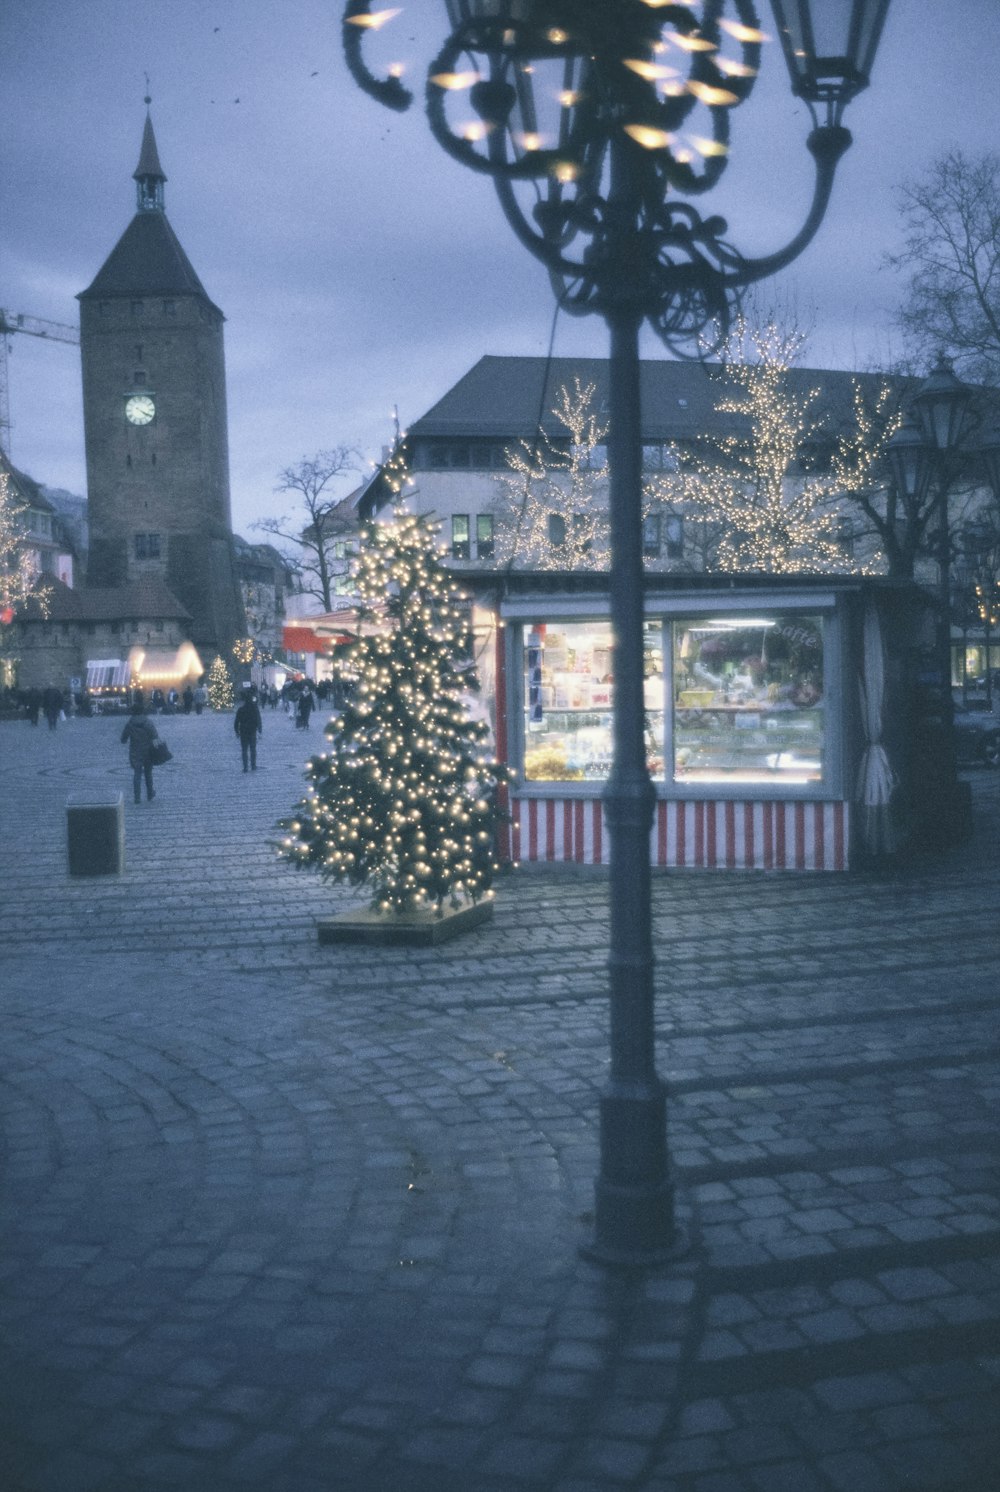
<point>748,700</point>
<point>568,696</point>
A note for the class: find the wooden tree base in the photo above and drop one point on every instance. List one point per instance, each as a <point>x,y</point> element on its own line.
<point>416,929</point>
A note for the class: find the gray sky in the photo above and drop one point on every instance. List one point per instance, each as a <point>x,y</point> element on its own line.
<point>357,265</point>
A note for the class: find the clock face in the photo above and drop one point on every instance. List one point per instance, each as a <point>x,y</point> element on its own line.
<point>139,409</point>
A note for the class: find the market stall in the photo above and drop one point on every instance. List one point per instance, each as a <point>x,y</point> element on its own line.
<point>765,707</point>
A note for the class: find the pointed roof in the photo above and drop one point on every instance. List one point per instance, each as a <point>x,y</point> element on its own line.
<point>149,160</point>
<point>148,258</point>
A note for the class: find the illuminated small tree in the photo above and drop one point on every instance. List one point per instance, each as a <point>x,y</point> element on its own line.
<point>18,573</point>
<point>220,685</point>
<point>763,513</point>
<point>404,799</point>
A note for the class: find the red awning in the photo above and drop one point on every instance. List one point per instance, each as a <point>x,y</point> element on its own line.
<point>299,639</point>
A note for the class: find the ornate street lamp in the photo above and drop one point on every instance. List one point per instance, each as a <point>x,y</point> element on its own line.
<point>910,460</point>
<point>942,405</point>
<point>921,454</point>
<point>601,124</point>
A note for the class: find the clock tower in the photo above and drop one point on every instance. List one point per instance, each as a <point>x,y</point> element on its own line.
<point>154,409</point>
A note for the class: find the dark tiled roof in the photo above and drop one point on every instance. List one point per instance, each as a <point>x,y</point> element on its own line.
<point>27,489</point>
<point>143,600</point>
<point>146,260</point>
<point>502,397</point>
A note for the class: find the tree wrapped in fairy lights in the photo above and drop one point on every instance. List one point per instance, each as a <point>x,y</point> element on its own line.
<point>762,513</point>
<point>220,685</point>
<point>404,799</point>
<point>552,507</point>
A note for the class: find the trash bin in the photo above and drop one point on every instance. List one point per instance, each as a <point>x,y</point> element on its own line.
<point>95,833</point>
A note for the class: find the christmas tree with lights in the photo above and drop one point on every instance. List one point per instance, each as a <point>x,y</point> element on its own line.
<point>220,685</point>
<point>404,800</point>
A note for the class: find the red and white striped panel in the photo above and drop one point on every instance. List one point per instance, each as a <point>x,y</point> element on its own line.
<point>706,835</point>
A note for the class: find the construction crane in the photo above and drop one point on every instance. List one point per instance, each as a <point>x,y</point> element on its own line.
<point>12,322</point>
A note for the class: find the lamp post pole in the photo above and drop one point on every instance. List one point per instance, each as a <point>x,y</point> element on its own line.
<point>634,1212</point>
<point>923,461</point>
<point>601,125</point>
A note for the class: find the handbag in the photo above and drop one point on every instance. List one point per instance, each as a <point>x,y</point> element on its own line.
<point>160,753</point>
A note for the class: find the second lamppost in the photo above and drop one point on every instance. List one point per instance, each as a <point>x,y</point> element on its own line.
<point>601,125</point>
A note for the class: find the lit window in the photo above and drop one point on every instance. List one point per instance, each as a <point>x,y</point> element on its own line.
<point>460,536</point>
<point>484,535</point>
<point>568,700</point>
<point>673,533</point>
<point>748,699</point>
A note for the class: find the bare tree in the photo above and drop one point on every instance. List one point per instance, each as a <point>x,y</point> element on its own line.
<point>320,522</point>
<point>951,256</point>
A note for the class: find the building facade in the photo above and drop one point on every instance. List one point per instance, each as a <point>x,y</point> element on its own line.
<point>154,403</point>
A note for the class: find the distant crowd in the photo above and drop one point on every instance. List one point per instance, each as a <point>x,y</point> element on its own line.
<point>298,697</point>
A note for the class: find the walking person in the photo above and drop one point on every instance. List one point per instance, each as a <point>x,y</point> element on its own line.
<point>140,733</point>
<point>248,725</point>
<point>52,703</point>
<point>305,708</point>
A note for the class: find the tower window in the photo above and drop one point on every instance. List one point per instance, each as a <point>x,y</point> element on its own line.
<point>139,376</point>
<point>137,308</point>
<point>147,546</point>
<point>169,308</point>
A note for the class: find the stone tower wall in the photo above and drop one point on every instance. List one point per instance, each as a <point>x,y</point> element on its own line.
<point>171,477</point>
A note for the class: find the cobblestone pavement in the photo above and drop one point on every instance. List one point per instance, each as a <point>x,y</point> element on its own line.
<point>306,1219</point>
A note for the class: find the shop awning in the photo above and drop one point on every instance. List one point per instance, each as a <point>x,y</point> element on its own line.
<point>107,673</point>
<point>317,635</point>
<point>164,666</point>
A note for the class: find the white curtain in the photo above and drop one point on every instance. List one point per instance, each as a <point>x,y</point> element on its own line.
<point>876,779</point>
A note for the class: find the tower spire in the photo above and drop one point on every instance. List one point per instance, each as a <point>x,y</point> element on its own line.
<point>148,174</point>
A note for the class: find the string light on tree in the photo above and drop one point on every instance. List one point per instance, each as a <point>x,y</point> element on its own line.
<point>404,799</point>
<point>552,509</point>
<point>18,573</point>
<point>220,685</point>
<point>763,514</point>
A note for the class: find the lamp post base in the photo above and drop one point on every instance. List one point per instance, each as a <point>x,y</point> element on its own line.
<point>634,1226</point>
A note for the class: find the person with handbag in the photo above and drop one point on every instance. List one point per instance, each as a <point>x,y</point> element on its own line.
<point>141,735</point>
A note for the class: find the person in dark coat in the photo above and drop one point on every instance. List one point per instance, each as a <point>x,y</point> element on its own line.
<point>248,725</point>
<point>52,703</point>
<point>304,709</point>
<point>140,733</point>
